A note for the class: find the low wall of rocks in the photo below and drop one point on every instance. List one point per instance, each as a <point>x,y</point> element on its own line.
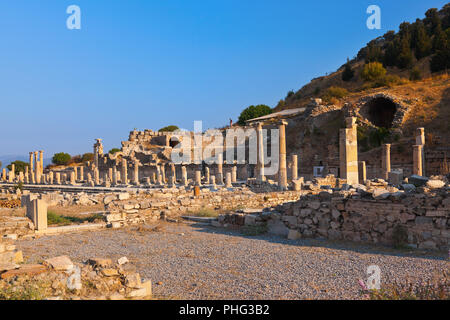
<point>422,220</point>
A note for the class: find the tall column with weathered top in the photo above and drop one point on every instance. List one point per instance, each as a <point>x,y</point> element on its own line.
<point>282,173</point>
<point>348,152</point>
<point>41,161</point>
<point>385,161</point>
<point>260,150</point>
<point>420,141</point>
<point>31,165</point>
<point>219,173</point>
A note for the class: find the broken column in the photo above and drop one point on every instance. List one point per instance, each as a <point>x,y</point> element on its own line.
<point>385,161</point>
<point>282,173</point>
<point>294,167</point>
<point>96,176</point>
<point>234,174</point>
<point>420,141</point>
<point>417,160</point>
<point>198,178</point>
<point>37,212</point>
<point>184,179</point>
<point>228,183</point>
<point>219,173</point>
<point>348,152</point>
<point>362,173</point>
<point>260,150</point>
<point>31,163</point>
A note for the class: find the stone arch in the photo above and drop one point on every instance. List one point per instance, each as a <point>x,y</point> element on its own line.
<point>382,110</point>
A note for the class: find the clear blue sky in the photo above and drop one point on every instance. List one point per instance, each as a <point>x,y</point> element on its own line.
<point>147,64</point>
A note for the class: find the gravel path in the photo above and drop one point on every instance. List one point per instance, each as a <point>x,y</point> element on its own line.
<point>197,262</point>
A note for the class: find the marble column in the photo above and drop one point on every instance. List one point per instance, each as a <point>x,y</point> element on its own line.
<point>207,175</point>
<point>58,178</point>
<point>420,141</point>
<point>219,173</point>
<point>184,179</point>
<point>31,164</point>
<point>234,174</point>
<point>294,167</point>
<point>114,175</point>
<point>282,175</point>
<point>198,178</point>
<point>41,161</point>
<point>124,174</point>
<point>385,161</point>
<point>362,173</point>
<point>228,183</point>
<point>417,160</point>
<point>260,157</point>
<point>348,152</point>
<point>136,173</point>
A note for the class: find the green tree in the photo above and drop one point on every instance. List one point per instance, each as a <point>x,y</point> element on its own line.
<point>415,74</point>
<point>392,52</point>
<point>87,157</point>
<point>405,58</point>
<point>114,150</point>
<point>373,71</point>
<point>432,21</point>
<point>19,166</point>
<point>421,41</point>
<point>171,128</point>
<point>252,112</point>
<point>348,72</point>
<point>61,158</point>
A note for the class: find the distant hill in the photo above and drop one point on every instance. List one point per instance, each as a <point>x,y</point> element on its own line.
<point>417,51</point>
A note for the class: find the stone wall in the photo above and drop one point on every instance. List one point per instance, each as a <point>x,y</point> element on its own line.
<point>425,218</point>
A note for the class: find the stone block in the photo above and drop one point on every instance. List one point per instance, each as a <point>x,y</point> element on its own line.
<point>395,177</point>
<point>418,181</point>
<point>62,263</point>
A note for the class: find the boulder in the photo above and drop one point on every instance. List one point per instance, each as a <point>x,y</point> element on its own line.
<point>435,184</point>
<point>418,181</point>
<point>62,263</point>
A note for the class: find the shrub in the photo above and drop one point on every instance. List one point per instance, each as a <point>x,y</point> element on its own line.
<point>252,112</point>
<point>19,166</point>
<point>87,157</point>
<point>170,128</point>
<point>61,158</point>
<point>334,93</point>
<point>415,74</point>
<point>373,71</point>
<point>389,81</point>
<point>114,150</point>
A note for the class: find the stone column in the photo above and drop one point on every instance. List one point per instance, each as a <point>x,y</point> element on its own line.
<point>420,141</point>
<point>260,156</point>
<point>213,182</point>
<point>160,180</point>
<point>228,183</point>
<point>136,173</point>
<point>282,175</point>
<point>207,175</point>
<point>362,172</point>
<point>173,171</point>
<point>41,161</point>
<point>198,178</point>
<point>96,176</point>
<point>163,173</point>
<point>50,177</point>
<point>12,173</point>
<point>31,163</point>
<point>81,173</point>
<point>348,152</point>
<point>36,161</point>
<point>417,160</point>
<point>219,173</point>
<point>386,161</point>
<point>294,167</point>
<point>124,174</point>
<point>184,179</point>
<point>154,180</point>
<point>114,175</point>
<point>4,175</point>
<point>58,178</point>
<point>72,178</point>
<point>234,174</point>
